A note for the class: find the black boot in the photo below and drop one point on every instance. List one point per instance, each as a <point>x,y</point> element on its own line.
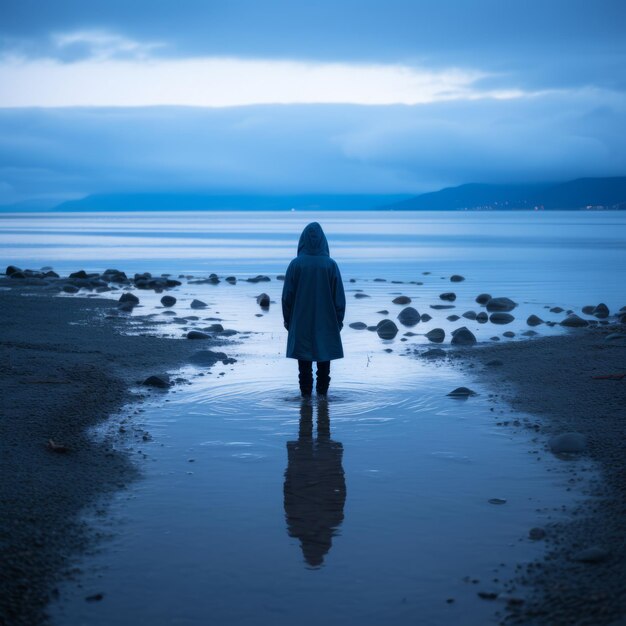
<point>305,378</point>
<point>323,378</point>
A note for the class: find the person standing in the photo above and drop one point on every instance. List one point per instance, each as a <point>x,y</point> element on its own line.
<point>314,306</point>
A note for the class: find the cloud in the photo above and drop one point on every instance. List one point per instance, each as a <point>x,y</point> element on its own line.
<point>104,79</point>
<point>99,45</point>
<point>311,148</point>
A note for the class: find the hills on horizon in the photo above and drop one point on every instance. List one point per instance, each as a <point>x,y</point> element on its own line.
<point>607,193</point>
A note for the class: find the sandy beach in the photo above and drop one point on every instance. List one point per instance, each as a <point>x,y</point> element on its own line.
<point>569,384</point>
<point>67,365</point>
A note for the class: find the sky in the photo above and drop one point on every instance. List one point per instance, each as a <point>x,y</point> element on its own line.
<point>334,96</point>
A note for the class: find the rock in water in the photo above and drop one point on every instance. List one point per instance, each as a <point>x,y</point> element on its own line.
<point>588,310</point>
<point>263,301</point>
<point>450,296</point>
<point>11,269</point>
<point>483,298</point>
<point>469,315</point>
<point>198,304</point>
<point>129,297</point>
<point>533,320</point>
<point>434,353</point>
<point>386,329</point>
<point>360,294</point>
<point>568,443</point>
<point>358,325</point>
<point>409,316</point>
<point>463,337</point>
<point>453,318</point>
<point>509,333</point>
<point>157,381</point>
<point>66,288</point>
<point>456,278</point>
<point>500,304</point>
<point>601,311</point>
<point>259,279</point>
<point>383,312</point>
<point>436,335</point>
<point>556,309</point>
<point>494,363</point>
<point>402,300</point>
<point>441,307</point>
<point>501,318</point>
<point>231,280</point>
<point>197,334</point>
<point>573,321</point>
<point>168,300</point>
<point>425,317</point>
<point>482,318</point>
<point>462,392</point>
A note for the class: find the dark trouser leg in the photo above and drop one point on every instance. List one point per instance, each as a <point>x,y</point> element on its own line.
<point>323,377</point>
<point>305,377</point>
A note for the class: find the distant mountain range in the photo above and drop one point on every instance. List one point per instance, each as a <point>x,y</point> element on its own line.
<point>582,193</point>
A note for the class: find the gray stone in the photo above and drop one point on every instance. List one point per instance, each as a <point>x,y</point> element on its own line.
<point>258,279</point>
<point>462,392</point>
<point>434,353</point>
<point>263,300</point>
<point>358,325</point>
<point>197,334</point>
<point>594,554</point>
<point>469,315</point>
<point>533,320</point>
<point>409,316</point>
<point>402,300</point>
<point>496,501</point>
<point>483,298</point>
<point>482,318</point>
<point>509,333</point>
<point>383,312</point>
<point>66,288</point>
<point>162,382</point>
<point>231,280</point>
<point>168,300</point>
<point>448,295</point>
<point>568,443</point>
<point>500,304</point>
<point>442,307</point>
<point>425,317</point>
<point>463,337</point>
<point>601,311</point>
<point>530,333</point>
<point>456,278</point>
<point>436,335</point>
<point>588,310</point>
<point>556,309</point>
<point>573,321</point>
<point>501,318</point>
<point>453,318</point>
<point>12,269</point>
<point>386,329</point>
<point>360,294</point>
<point>198,304</point>
<point>129,297</point>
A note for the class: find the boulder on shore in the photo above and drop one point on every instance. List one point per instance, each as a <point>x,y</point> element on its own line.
<point>573,321</point>
<point>462,392</point>
<point>463,337</point>
<point>197,334</point>
<point>409,316</point>
<point>129,297</point>
<point>162,382</point>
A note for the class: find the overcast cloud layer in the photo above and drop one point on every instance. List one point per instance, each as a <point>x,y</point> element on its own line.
<point>491,92</point>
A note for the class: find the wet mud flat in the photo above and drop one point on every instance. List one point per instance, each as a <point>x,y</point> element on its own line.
<point>573,384</point>
<point>66,366</point>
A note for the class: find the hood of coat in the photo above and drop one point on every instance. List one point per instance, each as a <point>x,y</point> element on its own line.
<point>313,241</point>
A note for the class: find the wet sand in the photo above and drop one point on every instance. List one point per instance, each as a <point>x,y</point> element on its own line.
<point>582,578</point>
<point>65,366</point>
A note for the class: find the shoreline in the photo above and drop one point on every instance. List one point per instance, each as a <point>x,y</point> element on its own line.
<point>67,366</point>
<point>581,577</point>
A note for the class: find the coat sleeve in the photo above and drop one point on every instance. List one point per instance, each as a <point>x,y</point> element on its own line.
<point>339,297</point>
<point>289,291</point>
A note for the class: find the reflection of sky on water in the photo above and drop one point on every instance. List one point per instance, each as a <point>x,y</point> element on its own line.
<point>379,522</point>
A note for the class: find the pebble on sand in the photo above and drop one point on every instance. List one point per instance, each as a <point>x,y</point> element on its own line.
<point>386,329</point>
<point>197,334</point>
<point>568,443</point>
<point>409,316</point>
<point>450,296</point>
<point>436,335</point>
<point>161,382</point>
<point>168,300</point>
<point>402,300</point>
<point>573,321</point>
<point>463,337</point>
<point>198,304</point>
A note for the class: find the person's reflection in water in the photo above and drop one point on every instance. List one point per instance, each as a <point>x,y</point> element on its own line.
<point>315,487</point>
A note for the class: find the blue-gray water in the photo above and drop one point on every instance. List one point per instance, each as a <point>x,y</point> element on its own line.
<point>204,537</point>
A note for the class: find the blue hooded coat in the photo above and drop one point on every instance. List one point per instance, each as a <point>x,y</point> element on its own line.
<point>314,303</point>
